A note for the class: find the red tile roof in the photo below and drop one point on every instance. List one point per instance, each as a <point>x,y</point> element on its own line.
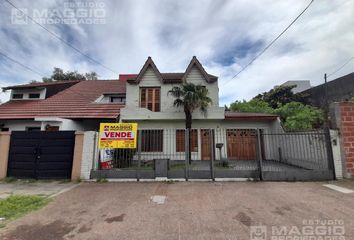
<point>40,84</point>
<point>75,102</point>
<point>249,116</point>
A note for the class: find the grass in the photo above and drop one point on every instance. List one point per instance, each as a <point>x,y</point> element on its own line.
<point>18,205</point>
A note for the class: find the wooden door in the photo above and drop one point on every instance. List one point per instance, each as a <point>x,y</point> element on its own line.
<point>241,144</point>
<point>205,141</point>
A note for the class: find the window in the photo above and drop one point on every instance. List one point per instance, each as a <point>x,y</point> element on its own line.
<point>180,140</point>
<point>150,98</point>
<point>117,99</point>
<point>17,96</point>
<point>32,129</point>
<point>34,95</point>
<point>4,129</point>
<point>152,140</point>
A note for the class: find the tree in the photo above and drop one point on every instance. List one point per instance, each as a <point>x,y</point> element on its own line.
<point>296,115</point>
<point>190,97</point>
<point>254,105</point>
<point>59,75</point>
<point>281,95</point>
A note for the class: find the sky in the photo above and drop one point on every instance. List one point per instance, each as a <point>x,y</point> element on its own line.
<point>224,35</point>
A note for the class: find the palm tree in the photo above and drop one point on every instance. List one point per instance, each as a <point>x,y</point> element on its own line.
<point>190,97</point>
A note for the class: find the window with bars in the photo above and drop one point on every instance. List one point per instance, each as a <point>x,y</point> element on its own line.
<point>151,140</point>
<point>180,140</point>
<point>150,98</point>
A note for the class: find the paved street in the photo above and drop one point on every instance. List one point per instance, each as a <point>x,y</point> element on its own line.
<point>185,210</point>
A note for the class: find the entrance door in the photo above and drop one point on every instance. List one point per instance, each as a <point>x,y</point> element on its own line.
<point>241,144</point>
<point>205,141</point>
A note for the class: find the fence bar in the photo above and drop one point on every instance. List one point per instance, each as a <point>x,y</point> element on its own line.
<point>139,156</point>
<point>259,154</point>
<point>186,149</point>
<point>212,155</point>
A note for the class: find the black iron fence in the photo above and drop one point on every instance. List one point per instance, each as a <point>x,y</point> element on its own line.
<point>222,153</point>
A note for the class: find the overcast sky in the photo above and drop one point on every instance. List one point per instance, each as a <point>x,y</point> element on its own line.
<point>224,35</point>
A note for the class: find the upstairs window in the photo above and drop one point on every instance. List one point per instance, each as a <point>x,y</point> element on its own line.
<point>117,99</point>
<point>34,95</point>
<point>150,98</point>
<point>17,96</point>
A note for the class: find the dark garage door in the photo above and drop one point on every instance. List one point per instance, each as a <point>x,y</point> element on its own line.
<point>41,155</point>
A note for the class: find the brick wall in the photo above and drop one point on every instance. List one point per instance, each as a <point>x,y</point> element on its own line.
<point>345,122</point>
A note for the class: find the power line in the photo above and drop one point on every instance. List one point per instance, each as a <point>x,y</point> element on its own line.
<point>271,43</point>
<point>338,69</point>
<point>15,61</point>
<point>61,39</point>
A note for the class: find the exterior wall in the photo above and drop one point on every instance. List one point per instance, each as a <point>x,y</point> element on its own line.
<point>337,156</point>
<point>88,154</point>
<point>64,124</point>
<point>344,117</point>
<point>19,125</point>
<point>77,158</point>
<point>219,126</point>
<point>132,111</point>
<point>4,152</point>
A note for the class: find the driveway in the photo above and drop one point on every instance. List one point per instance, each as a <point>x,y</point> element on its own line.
<point>192,210</point>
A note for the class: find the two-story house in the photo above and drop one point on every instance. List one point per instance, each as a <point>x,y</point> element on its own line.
<point>141,98</point>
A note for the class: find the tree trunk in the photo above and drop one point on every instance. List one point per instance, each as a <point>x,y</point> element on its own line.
<point>189,128</point>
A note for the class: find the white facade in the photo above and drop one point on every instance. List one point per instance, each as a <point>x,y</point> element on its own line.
<point>132,111</point>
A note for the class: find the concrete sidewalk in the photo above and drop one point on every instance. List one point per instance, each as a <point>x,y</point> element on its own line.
<point>46,188</point>
<point>185,210</point>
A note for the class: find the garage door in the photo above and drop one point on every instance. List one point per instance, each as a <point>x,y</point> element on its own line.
<point>241,144</point>
<point>41,155</point>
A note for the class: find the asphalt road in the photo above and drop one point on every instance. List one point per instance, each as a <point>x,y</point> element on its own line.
<point>191,210</point>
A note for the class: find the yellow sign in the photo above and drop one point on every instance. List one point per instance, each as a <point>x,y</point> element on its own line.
<point>118,135</point>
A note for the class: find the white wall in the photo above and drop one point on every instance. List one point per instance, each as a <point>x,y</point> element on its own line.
<point>19,125</point>
<point>132,111</point>
<point>88,154</point>
<point>337,157</point>
<point>64,124</point>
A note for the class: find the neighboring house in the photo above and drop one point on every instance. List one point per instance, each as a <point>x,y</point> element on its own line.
<point>301,85</point>
<point>62,105</point>
<point>340,89</point>
<point>141,98</point>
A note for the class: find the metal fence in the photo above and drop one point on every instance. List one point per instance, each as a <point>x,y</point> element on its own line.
<point>222,153</point>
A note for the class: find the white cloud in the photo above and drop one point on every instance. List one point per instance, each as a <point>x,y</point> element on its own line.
<point>173,31</point>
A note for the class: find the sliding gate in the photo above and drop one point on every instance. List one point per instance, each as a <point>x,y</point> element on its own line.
<point>221,153</point>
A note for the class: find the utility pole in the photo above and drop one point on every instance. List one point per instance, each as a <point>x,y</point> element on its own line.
<point>326,102</point>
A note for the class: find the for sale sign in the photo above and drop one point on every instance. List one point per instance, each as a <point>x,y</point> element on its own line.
<point>118,135</point>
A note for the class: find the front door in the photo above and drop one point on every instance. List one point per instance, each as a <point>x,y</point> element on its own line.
<point>205,141</point>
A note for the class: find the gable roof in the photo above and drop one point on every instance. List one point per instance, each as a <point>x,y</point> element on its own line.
<point>195,62</point>
<point>149,63</point>
<point>178,77</point>
<point>76,102</point>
